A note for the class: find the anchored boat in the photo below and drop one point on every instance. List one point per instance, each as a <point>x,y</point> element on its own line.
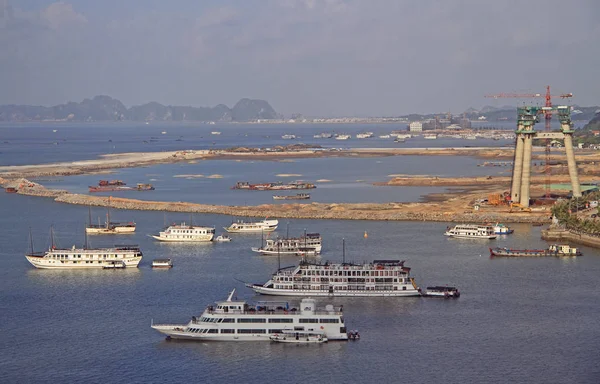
<point>186,233</point>
<point>553,250</point>
<point>236,320</point>
<point>253,227</point>
<point>309,244</point>
<point>471,231</point>
<point>299,337</point>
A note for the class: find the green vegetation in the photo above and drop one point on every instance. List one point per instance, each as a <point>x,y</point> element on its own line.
<point>566,213</point>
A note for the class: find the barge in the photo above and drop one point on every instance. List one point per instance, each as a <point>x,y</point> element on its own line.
<point>556,250</point>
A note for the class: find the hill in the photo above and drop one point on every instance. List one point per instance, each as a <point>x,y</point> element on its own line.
<point>105,108</point>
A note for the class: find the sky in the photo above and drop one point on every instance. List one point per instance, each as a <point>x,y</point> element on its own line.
<point>314,57</point>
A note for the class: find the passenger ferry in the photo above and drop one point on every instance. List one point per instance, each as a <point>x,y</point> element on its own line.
<point>84,258</point>
<point>253,227</point>
<point>309,244</point>
<point>236,320</point>
<point>186,233</point>
<point>471,231</point>
<point>379,278</point>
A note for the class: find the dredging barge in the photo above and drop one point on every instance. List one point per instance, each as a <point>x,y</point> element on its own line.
<point>276,186</point>
<point>556,250</point>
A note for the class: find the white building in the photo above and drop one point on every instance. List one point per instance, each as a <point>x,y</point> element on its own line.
<point>415,126</point>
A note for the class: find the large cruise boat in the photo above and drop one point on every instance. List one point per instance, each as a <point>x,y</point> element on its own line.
<point>186,233</point>
<point>120,256</point>
<point>306,245</point>
<point>471,231</point>
<point>378,278</point>
<point>253,227</point>
<point>236,320</point>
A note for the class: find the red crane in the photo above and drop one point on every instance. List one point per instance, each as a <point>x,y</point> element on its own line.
<point>548,121</point>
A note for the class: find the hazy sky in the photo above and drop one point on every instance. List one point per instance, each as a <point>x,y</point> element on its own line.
<point>316,57</point>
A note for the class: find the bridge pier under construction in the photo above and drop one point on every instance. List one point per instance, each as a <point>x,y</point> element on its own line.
<point>521,177</point>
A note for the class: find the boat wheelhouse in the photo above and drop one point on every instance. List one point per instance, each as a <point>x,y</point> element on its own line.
<point>377,278</point>
<point>309,244</point>
<point>236,320</point>
<point>186,233</point>
<point>252,227</point>
<point>471,231</point>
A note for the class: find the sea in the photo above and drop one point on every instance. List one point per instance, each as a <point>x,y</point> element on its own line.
<point>521,320</point>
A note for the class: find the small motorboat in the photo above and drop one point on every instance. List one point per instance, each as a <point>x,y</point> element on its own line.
<point>162,263</point>
<point>222,238</point>
<point>442,291</point>
<point>299,337</point>
<point>353,335</point>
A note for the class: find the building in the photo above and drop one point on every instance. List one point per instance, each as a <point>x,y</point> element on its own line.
<point>415,126</point>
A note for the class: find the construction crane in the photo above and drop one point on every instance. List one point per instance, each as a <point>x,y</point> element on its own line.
<point>548,121</point>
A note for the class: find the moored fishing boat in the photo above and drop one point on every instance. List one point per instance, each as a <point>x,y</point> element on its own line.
<point>471,231</point>
<point>553,250</point>
<point>377,278</point>
<point>236,320</point>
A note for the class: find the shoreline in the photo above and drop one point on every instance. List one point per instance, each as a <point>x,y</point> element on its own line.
<point>455,205</point>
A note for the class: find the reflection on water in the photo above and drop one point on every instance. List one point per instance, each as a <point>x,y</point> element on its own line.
<point>71,277</point>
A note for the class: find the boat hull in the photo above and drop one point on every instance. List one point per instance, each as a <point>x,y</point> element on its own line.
<point>530,253</point>
<point>336,293</point>
<point>486,237</point>
<point>242,230</point>
<point>177,332</point>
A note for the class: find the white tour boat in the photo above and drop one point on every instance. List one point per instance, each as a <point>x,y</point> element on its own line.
<point>471,231</point>
<point>223,238</point>
<point>119,256</point>
<point>442,291</point>
<point>501,229</point>
<point>186,233</point>
<point>162,263</point>
<point>253,227</point>
<point>309,244</point>
<point>378,278</point>
<point>299,337</point>
<point>364,135</point>
<point>343,137</point>
<point>288,137</point>
<point>236,320</point>
<point>109,227</point>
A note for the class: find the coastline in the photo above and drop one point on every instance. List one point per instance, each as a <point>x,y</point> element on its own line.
<point>456,205</point>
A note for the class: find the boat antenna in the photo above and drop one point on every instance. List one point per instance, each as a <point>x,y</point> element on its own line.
<point>90,214</point>
<point>343,251</point>
<point>287,232</point>
<point>262,237</point>
<point>86,239</point>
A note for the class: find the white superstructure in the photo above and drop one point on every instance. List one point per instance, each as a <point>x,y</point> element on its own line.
<point>83,258</point>
<point>236,320</point>
<point>471,231</point>
<point>364,135</point>
<point>252,227</point>
<point>430,136</point>
<point>309,244</point>
<point>343,137</point>
<point>186,233</point>
<point>378,278</point>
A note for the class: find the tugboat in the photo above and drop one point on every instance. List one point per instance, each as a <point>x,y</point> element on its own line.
<point>553,250</point>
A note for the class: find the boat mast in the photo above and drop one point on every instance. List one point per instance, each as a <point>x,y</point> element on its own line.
<point>278,256</point>
<point>287,231</point>
<point>107,214</point>
<point>52,237</point>
<point>86,240</point>
<point>90,215</point>
<point>343,251</point>
<point>31,240</point>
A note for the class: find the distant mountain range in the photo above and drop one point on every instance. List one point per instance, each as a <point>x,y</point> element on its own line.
<point>105,108</point>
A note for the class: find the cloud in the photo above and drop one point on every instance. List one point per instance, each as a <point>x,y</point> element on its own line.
<point>318,57</point>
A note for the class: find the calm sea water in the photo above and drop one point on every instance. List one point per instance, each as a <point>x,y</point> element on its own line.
<point>518,320</point>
